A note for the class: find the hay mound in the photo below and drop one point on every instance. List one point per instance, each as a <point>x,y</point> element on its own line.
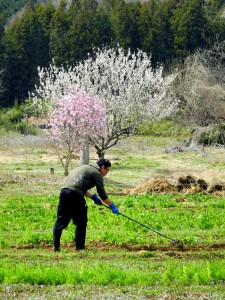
<point>155,185</point>
<point>186,184</point>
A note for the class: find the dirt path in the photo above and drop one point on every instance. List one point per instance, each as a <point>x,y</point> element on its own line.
<point>179,247</point>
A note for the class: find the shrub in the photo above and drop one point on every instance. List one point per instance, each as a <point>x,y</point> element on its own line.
<point>12,120</point>
<point>210,135</point>
<point>163,128</point>
<point>26,129</point>
<point>13,116</point>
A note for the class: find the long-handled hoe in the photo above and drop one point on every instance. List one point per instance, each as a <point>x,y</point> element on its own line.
<point>172,240</point>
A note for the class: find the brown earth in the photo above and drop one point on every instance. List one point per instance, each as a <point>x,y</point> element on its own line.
<point>180,247</point>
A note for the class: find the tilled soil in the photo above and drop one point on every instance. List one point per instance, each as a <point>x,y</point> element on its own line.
<point>179,247</point>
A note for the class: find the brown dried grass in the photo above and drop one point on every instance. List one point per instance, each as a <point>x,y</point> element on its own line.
<point>188,184</point>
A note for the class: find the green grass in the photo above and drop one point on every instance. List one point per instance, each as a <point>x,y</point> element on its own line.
<point>110,274</point>
<point>123,260</point>
<point>31,219</point>
<point>121,255</point>
<point>120,269</point>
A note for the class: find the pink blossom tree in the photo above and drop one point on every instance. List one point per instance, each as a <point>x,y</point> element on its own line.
<point>126,82</point>
<point>75,118</point>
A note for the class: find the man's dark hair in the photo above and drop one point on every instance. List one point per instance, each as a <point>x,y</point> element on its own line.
<point>103,162</point>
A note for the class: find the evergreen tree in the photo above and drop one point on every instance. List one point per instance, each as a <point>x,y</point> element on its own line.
<point>213,7</point>
<point>189,24</point>
<point>215,17</point>
<point>23,53</point>
<point>120,23</point>
<point>44,15</point>
<point>2,29</point>
<point>134,14</point>
<point>2,33</point>
<point>145,26</point>
<point>151,29</point>
<point>168,53</point>
<point>8,8</point>
<point>59,27</point>
<point>74,9</point>
<point>83,33</point>
<point>104,25</point>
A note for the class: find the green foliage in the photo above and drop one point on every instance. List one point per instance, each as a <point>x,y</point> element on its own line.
<point>10,7</point>
<point>12,120</point>
<point>188,25</point>
<point>167,30</point>
<point>211,135</point>
<point>58,30</point>
<point>32,219</point>
<point>120,23</point>
<point>123,259</point>
<point>163,128</point>
<point>172,273</point>
<point>26,129</point>
<point>13,116</point>
<point>29,109</point>
<point>83,31</point>
<point>25,49</point>
<point>105,30</point>
<point>152,31</point>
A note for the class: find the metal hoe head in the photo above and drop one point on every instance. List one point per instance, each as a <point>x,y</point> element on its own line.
<point>174,241</point>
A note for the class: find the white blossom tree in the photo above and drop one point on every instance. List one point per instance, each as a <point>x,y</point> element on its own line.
<point>131,90</point>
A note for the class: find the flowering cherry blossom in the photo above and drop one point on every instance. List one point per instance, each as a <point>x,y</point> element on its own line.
<point>75,117</point>
<point>130,88</point>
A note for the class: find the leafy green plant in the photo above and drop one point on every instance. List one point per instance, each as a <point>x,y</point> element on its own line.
<point>144,270</point>
<point>123,259</point>
<point>26,129</point>
<point>163,128</point>
<point>12,119</point>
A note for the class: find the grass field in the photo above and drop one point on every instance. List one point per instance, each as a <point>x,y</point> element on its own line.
<point>123,260</point>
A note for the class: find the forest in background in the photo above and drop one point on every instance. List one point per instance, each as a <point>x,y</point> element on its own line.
<point>167,30</point>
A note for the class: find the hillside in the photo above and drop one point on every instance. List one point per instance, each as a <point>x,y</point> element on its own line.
<point>11,8</point>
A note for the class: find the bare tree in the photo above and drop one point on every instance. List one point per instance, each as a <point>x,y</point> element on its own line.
<point>202,88</point>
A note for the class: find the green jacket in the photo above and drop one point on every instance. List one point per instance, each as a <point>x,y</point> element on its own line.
<point>85,177</point>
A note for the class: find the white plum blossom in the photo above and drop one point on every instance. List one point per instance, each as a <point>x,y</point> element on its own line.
<point>130,88</point>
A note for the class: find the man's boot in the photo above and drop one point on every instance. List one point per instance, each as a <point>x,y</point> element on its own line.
<point>80,234</point>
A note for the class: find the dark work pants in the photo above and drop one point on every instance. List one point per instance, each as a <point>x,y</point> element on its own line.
<point>72,206</point>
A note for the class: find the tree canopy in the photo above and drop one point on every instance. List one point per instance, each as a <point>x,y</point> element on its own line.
<point>131,90</point>
<point>75,117</point>
<point>167,30</point>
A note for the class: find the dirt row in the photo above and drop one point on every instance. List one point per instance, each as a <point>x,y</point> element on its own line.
<point>179,246</point>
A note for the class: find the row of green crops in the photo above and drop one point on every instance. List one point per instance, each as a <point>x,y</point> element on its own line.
<point>173,273</point>
<point>102,269</point>
<point>28,221</point>
<point>197,220</point>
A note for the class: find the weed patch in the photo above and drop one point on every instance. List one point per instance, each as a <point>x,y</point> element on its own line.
<point>123,260</point>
